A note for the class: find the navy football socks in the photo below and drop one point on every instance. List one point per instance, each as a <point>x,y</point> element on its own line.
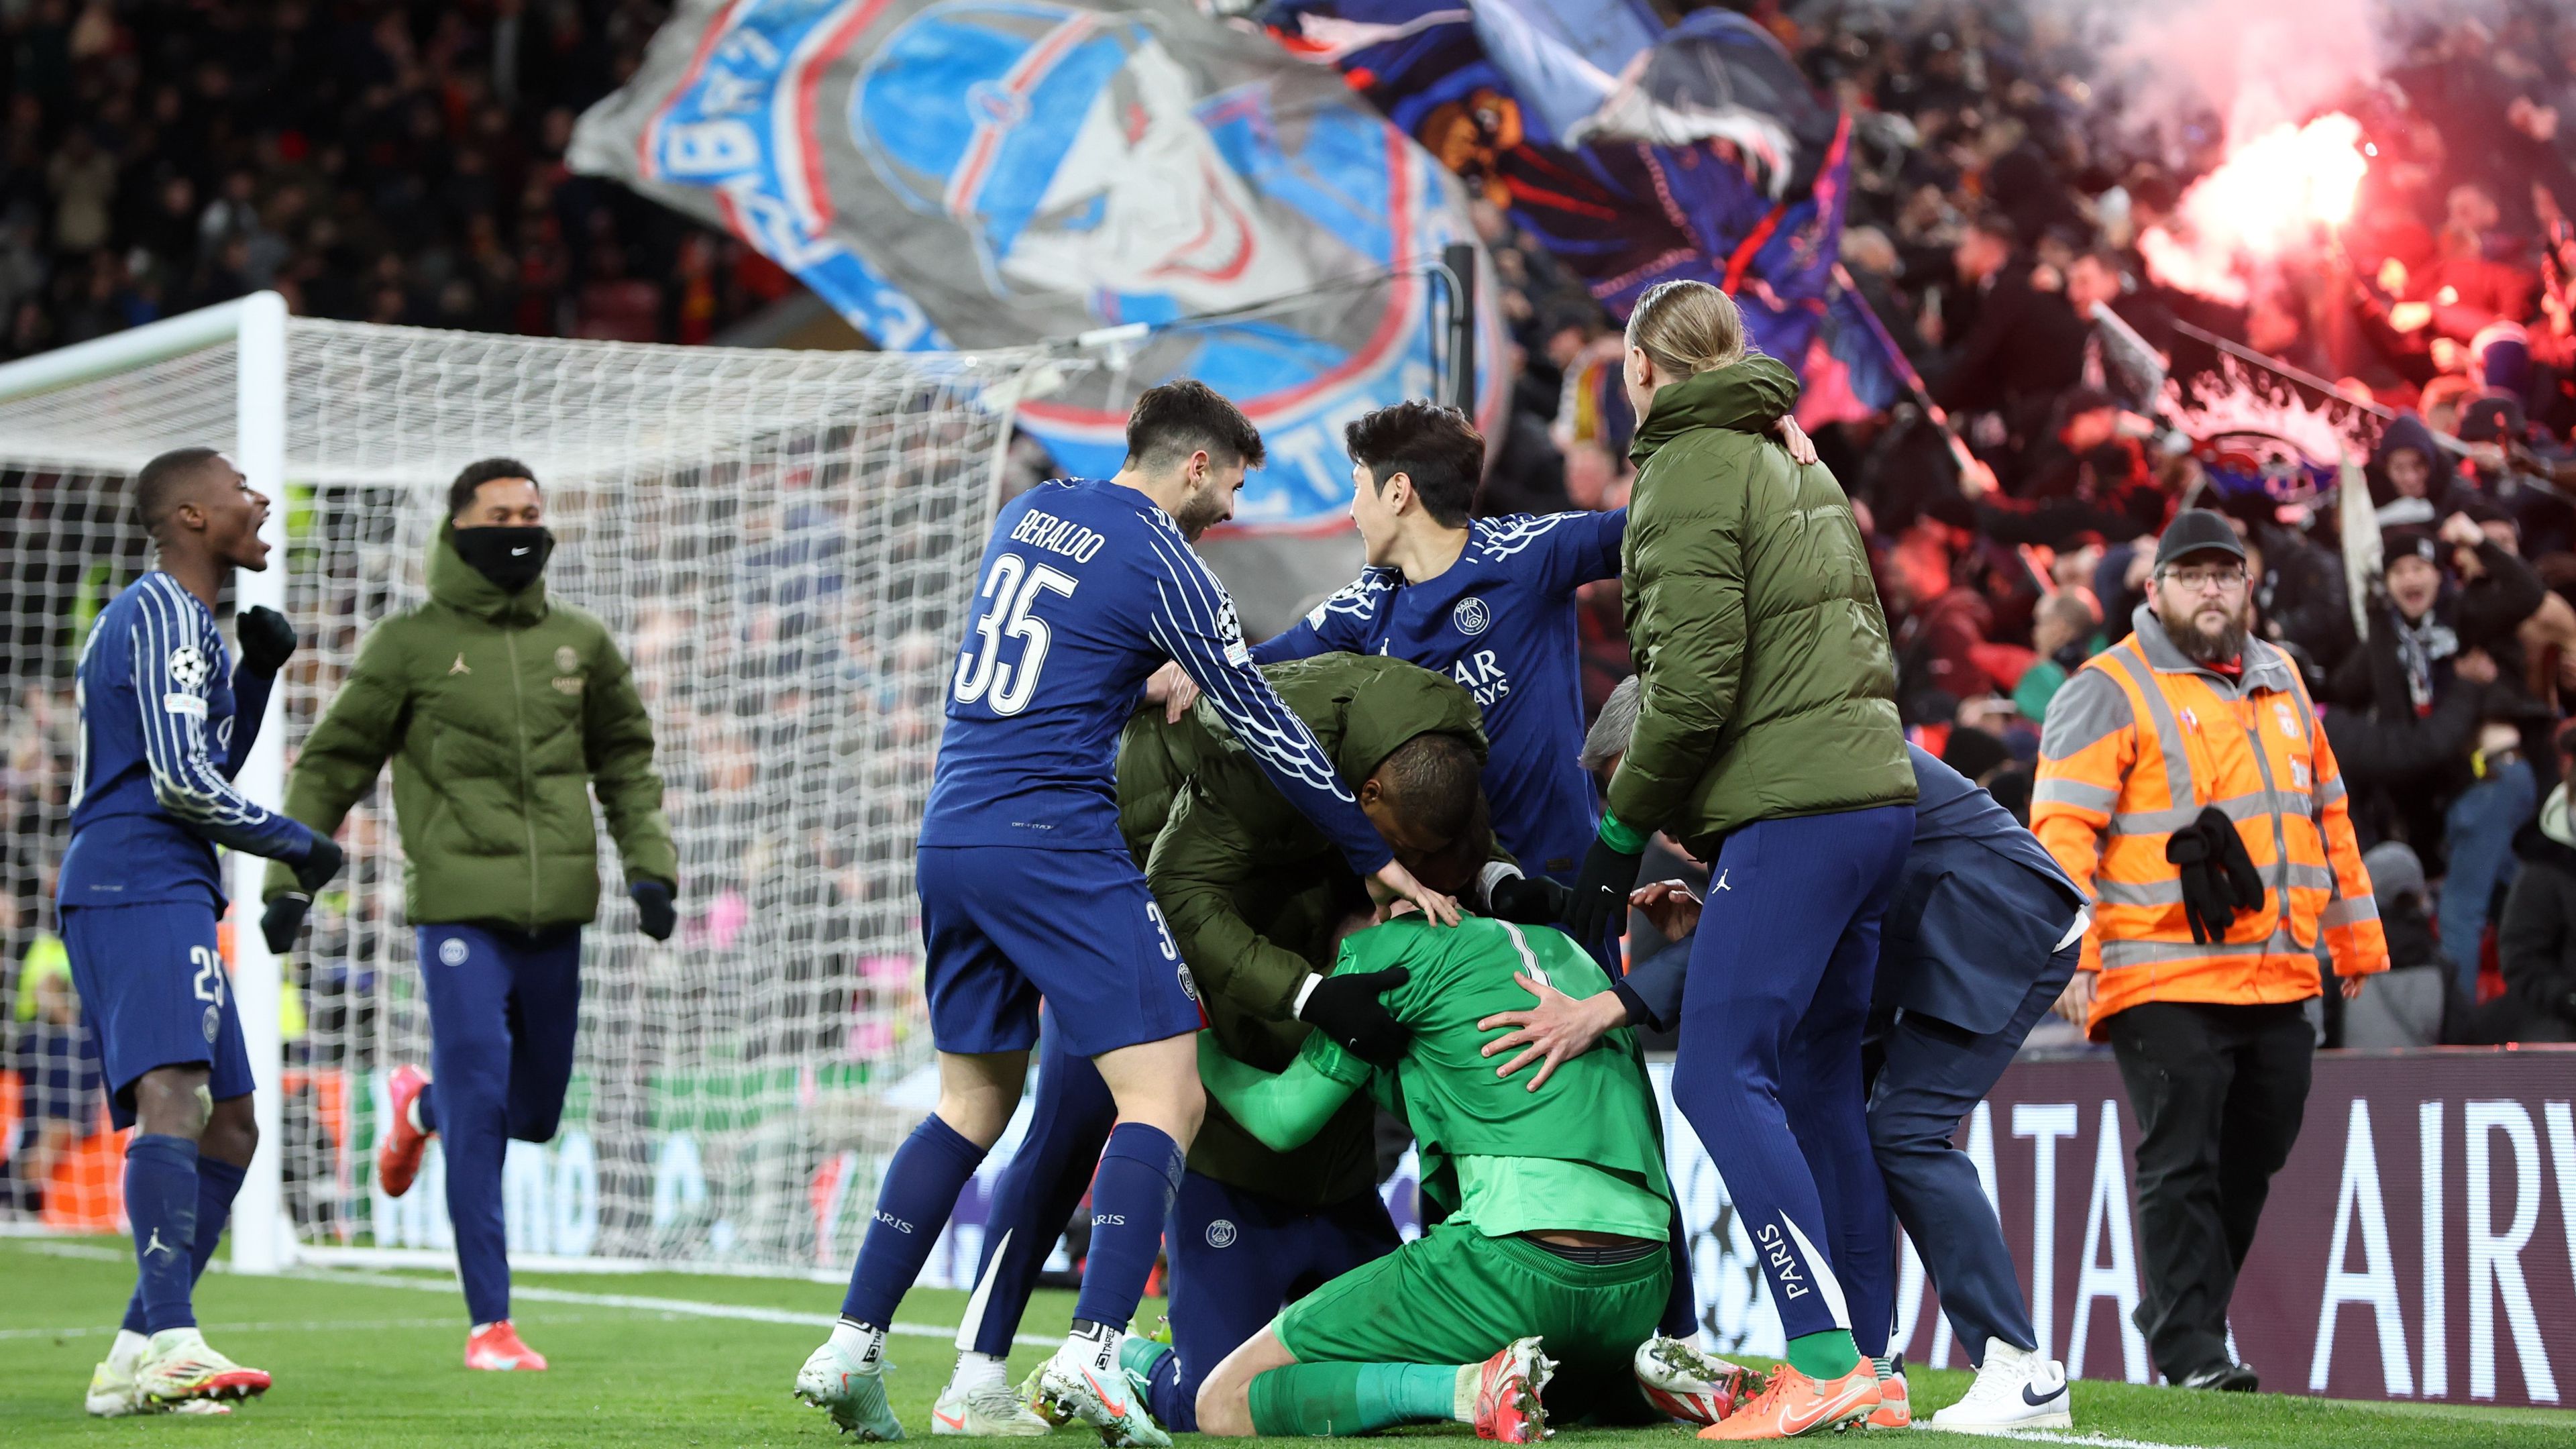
<point>161,1202</point>
<point>1131,1195</point>
<point>218,1182</point>
<point>920,1191</point>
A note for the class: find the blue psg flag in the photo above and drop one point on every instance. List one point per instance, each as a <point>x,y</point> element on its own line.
<point>1635,153</point>
<point>977,173</point>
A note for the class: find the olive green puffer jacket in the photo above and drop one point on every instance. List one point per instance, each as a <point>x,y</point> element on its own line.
<point>1253,893</point>
<point>501,714</point>
<point>1768,686</point>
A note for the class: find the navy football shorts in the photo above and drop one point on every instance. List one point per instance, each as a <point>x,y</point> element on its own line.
<point>1007,924</point>
<point>155,994</point>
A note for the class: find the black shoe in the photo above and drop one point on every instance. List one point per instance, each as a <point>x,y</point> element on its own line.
<point>2226,1378</point>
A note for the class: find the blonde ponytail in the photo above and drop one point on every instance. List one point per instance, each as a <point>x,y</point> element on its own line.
<point>1687,328</point>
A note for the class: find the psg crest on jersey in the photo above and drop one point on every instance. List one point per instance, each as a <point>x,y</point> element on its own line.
<point>975,173</point>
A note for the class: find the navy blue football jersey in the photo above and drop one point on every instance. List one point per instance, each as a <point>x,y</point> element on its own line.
<point>1085,589</point>
<point>153,797</point>
<point>1501,622</point>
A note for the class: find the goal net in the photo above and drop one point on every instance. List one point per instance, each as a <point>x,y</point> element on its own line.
<point>781,542</point>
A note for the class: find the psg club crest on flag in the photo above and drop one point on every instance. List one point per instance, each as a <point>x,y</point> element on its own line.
<point>953,174</point>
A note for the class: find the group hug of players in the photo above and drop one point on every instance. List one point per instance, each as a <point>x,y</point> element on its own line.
<point>1236,899</point>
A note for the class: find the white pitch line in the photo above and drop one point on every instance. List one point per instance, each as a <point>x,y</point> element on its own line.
<point>2093,1440</point>
<point>317,1325</point>
<point>689,1306</point>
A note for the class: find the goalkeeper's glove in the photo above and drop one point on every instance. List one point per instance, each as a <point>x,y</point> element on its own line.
<point>653,909</point>
<point>1528,900</point>
<point>266,639</point>
<point>1347,1009</point>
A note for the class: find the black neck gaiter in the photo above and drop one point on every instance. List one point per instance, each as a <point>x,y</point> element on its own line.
<point>511,558</point>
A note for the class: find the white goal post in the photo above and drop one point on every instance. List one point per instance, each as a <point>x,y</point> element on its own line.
<point>781,541</point>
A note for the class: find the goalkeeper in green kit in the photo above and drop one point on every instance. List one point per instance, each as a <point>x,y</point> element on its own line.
<point>1550,1208</point>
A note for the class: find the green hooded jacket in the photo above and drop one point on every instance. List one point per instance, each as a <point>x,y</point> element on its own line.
<point>1768,685</point>
<point>501,713</point>
<point>1253,893</point>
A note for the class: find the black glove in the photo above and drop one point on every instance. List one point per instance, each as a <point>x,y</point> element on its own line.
<point>1601,891</point>
<point>316,869</point>
<point>266,639</point>
<point>2218,876</point>
<point>1528,900</point>
<point>653,908</point>
<point>283,918</point>
<point>1347,1009</point>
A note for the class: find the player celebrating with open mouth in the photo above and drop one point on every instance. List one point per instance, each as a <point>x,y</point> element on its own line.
<point>140,896</point>
<point>1086,588</point>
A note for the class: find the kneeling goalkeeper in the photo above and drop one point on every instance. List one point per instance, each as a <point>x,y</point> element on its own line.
<point>1552,1212</point>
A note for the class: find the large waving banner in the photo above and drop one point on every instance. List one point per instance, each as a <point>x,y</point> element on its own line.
<point>1635,153</point>
<point>972,173</point>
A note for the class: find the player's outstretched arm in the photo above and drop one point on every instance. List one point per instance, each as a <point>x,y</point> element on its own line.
<point>173,678</point>
<point>1194,622</point>
<point>1284,1111</point>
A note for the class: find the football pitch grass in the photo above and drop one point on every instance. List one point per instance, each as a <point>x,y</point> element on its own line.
<point>670,1359</point>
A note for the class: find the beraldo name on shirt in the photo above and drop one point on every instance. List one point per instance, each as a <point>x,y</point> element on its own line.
<point>1046,531</point>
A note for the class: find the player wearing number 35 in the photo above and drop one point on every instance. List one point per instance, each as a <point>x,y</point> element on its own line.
<point>166,723</point>
<point>1086,588</point>
<point>502,711</point>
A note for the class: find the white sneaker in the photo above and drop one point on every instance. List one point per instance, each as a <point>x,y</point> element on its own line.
<point>2015,1389</point>
<point>1692,1385</point>
<point>985,1411</point>
<point>846,1379</point>
<point>1085,1381</point>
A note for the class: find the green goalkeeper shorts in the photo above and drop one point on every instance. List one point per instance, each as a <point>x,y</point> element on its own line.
<point>1456,1296</point>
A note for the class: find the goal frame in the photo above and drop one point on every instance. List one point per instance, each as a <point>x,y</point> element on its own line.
<point>263,1240</point>
<point>271,392</point>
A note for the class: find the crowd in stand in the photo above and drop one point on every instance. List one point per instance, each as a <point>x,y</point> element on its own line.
<point>403,163</point>
<point>1997,205</point>
<point>377,163</point>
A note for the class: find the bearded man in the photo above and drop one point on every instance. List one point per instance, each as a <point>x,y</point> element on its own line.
<point>2185,785</point>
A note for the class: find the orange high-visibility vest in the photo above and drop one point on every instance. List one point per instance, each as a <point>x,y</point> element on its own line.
<point>2137,744</point>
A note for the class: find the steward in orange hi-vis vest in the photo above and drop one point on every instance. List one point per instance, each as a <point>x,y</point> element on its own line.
<point>2137,744</point>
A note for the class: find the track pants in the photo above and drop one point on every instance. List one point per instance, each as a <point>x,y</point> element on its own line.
<point>503,1006</point>
<point>1769,1069</point>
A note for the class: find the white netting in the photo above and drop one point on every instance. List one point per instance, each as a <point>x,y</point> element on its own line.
<point>780,541</point>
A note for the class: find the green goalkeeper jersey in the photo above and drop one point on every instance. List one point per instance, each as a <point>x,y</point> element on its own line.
<point>1579,1154</point>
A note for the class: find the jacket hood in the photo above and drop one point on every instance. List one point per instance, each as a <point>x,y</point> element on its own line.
<point>456,584</point>
<point>2406,430</point>
<point>1747,397</point>
<point>2554,821</point>
<point>1387,703</point>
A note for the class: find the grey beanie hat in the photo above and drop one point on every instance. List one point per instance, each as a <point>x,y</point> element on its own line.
<point>2394,871</point>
